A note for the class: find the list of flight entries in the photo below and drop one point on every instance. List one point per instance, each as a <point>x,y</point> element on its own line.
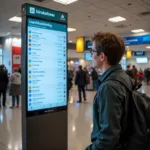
<point>46,68</point>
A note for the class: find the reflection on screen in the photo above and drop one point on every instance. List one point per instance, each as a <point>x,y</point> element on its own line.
<point>46,64</point>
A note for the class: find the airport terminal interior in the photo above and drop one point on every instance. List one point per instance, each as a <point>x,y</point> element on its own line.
<point>130,19</point>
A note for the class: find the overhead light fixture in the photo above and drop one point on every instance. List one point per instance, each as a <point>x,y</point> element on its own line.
<point>148,47</point>
<point>117,19</point>
<point>70,41</point>
<point>15,19</point>
<point>71,29</point>
<point>137,30</point>
<point>65,2</point>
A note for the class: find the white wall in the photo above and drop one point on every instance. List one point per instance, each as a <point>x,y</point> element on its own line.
<point>7,44</point>
<point>132,61</point>
<point>73,54</point>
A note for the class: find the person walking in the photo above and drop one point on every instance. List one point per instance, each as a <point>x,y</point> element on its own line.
<point>135,74</point>
<point>15,87</point>
<point>129,72</point>
<point>80,81</point>
<point>3,84</point>
<point>87,77</point>
<point>140,76</point>
<point>69,83</point>
<point>94,75</point>
<point>148,76</point>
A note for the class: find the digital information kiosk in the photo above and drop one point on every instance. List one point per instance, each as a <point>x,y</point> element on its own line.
<point>44,79</point>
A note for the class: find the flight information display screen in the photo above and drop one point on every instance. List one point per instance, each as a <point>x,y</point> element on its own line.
<point>87,56</point>
<point>142,60</point>
<point>47,60</point>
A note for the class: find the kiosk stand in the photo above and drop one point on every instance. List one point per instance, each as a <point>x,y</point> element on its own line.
<point>44,79</point>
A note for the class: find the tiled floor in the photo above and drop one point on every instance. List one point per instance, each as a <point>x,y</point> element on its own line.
<point>80,123</point>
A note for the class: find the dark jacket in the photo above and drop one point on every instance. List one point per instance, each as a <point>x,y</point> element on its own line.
<point>69,80</point>
<point>109,111</point>
<point>3,80</point>
<point>94,75</point>
<point>80,79</point>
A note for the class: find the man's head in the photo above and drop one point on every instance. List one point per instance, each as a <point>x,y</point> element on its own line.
<point>93,69</point>
<point>107,49</point>
<point>15,69</point>
<point>80,67</point>
<point>128,67</point>
<point>2,67</point>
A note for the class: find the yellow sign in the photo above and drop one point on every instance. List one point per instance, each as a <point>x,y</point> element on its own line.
<point>129,54</point>
<point>80,45</point>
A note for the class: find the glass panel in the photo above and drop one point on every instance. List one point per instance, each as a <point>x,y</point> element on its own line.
<point>0,51</point>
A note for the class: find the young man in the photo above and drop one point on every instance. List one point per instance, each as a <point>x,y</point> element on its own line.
<point>80,81</point>
<point>109,111</point>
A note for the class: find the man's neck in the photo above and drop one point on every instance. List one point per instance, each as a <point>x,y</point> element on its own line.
<point>105,67</point>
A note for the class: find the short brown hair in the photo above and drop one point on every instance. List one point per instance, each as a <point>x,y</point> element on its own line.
<point>111,45</point>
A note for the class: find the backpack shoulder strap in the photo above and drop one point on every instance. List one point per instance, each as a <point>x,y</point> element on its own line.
<point>122,81</point>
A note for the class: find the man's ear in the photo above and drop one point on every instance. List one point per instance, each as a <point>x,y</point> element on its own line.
<point>103,57</point>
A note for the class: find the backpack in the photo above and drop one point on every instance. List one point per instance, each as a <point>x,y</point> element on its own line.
<point>137,135</point>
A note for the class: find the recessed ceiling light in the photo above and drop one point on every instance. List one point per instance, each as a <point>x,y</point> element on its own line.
<point>15,19</point>
<point>70,41</point>
<point>148,47</point>
<point>65,2</point>
<point>137,30</point>
<point>71,29</point>
<point>117,19</point>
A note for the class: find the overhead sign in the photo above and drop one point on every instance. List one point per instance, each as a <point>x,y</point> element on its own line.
<point>45,13</point>
<point>88,45</point>
<point>139,53</point>
<point>137,40</point>
<point>80,45</point>
<point>129,54</point>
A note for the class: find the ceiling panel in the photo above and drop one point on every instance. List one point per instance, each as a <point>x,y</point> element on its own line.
<point>87,16</point>
<point>135,8</point>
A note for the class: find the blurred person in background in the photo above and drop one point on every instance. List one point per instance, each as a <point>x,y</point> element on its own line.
<point>3,84</point>
<point>87,77</point>
<point>5,69</point>
<point>69,82</point>
<point>134,74</point>
<point>140,76</point>
<point>80,81</point>
<point>148,75</point>
<point>94,75</point>
<point>15,87</point>
<point>19,70</point>
<point>129,72</point>
<point>145,74</point>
